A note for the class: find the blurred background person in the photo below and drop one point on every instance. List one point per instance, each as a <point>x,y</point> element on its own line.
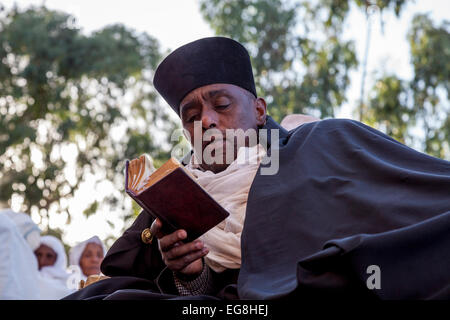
<point>88,255</point>
<point>46,256</point>
<point>52,261</point>
<point>19,276</point>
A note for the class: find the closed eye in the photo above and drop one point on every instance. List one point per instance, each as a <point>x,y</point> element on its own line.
<point>192,118</point>
<point>221,107</point>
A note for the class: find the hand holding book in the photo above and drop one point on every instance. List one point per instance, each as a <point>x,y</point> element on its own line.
<point>172,195</point>
<point>183,258</point>
<point>182,209</point>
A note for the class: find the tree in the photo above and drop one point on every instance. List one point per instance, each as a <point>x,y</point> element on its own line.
<point>302,64</point>
<point>73,105</point>
<point>399,106</point>
<point>388,108</point>
<point>430,53</point>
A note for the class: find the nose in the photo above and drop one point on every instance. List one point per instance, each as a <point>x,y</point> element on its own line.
<point>209,119</point>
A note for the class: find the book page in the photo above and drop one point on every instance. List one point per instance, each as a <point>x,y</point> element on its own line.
<point>139,171</point>
<point>162,171</point>
<point>142,174</point>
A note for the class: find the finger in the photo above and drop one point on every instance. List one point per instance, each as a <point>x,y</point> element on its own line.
<point>155,229</point>
<point>176,244</point>
<point>168,241</point>
<point>183,249</point>
<point>183,262</point>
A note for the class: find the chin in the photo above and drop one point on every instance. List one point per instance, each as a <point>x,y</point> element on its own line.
<point>93,272</point>
<point>221,153</point>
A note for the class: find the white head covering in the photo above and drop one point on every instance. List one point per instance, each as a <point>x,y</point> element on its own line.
<point>19,274</point>
<point>29,230</point>
<point>54,279</point>
<point>58,270</point>
<point>18,265</point>
<point>76,252</point>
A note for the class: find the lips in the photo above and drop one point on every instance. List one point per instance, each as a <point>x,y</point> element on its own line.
<point>213,140</point>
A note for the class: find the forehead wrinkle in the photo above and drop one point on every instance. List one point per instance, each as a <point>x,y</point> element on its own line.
<point>212,93</point>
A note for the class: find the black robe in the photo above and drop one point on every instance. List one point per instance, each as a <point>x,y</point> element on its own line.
<point>346,199</point>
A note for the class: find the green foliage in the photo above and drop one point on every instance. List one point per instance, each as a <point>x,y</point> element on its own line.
<point>389,107</point>
<point>400,106</point>
<point>395,5</point>
<point>72,104</point>
<point>91,209</point>
<point>430,53</point>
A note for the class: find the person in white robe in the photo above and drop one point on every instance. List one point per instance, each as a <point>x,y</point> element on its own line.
<point>20,278</point>
<point>87,257</point>
<point>57,274</point>
<point>18,266</point>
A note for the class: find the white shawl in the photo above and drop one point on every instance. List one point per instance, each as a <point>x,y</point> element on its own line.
<point>230,188</point>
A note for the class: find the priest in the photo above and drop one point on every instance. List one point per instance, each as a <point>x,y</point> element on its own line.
<point>344,211</point>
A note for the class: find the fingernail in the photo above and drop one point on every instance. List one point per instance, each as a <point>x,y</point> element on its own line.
<point>199,245</point>
<point>182,234</point>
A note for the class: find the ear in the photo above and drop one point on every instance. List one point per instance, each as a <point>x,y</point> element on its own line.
<point>260,111</point>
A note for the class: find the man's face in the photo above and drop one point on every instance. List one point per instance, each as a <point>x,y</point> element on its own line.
<point>221,107</point>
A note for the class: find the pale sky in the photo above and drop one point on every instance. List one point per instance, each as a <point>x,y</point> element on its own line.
<point>176,22</point>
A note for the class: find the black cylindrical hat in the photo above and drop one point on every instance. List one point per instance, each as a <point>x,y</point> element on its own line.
<point>200,63</point>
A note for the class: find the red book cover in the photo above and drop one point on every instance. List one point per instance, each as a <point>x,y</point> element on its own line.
<point>180,203</point>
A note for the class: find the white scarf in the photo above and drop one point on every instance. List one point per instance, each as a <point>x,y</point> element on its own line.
<point>58,270</point>
<point>77,251</point>
<point>230,188</point>
<point>29,230</point>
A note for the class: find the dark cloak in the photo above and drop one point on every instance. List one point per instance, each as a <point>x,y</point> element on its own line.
<point>346,197</point>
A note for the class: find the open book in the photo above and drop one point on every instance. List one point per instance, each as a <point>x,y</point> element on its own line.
<point>172,195</point>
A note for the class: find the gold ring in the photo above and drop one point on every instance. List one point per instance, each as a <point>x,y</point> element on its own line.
<point>146,236</point>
